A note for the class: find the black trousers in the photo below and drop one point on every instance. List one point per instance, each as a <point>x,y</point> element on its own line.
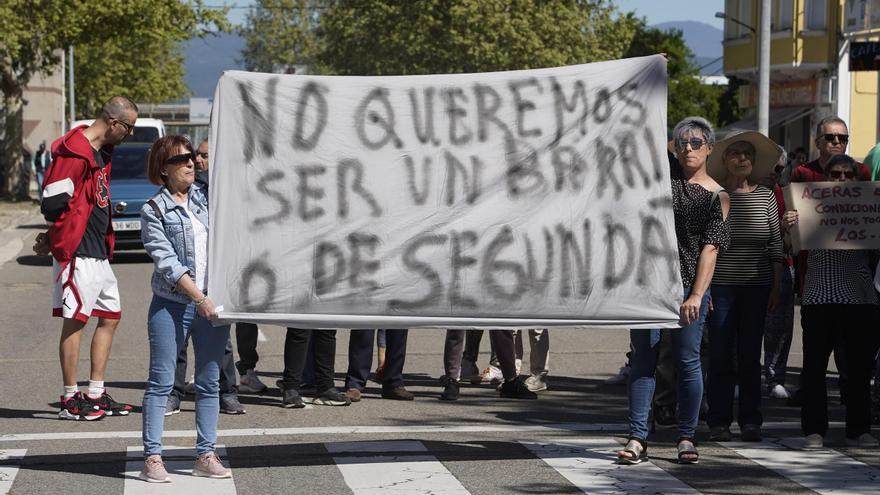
<point>504,344</point>
<point>246,341</point>
<point>824,325</point>
<point>296,348</point>
<point>227,372</point>
<point>360,358</point>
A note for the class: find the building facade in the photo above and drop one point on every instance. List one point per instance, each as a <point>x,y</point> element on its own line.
<point>809,68</point>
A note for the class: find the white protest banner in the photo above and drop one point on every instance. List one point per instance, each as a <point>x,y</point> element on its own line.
<point>835,215</point>
<point>506,199</point>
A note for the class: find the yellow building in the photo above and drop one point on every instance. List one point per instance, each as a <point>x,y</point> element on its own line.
<point>809,68</point>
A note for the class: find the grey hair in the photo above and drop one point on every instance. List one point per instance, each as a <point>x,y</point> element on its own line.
<point>694,125</point>
<point>833,119</point>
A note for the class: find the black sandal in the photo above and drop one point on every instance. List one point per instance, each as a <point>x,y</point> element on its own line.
<point>635,452</point>
<point>687,451</point>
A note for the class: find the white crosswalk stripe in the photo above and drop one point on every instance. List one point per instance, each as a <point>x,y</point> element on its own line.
<point>178,462</point>
<point>413,472</point>
<point>9,461</point>
<point>824,471</point>
<point>590,465</point>
<point>404,467</point>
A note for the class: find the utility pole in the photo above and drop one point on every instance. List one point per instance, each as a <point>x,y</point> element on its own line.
<point>764,69</point>
<point>71,87</point>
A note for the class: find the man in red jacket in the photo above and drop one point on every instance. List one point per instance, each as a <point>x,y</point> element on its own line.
<point>76,202</point>
<point>832,138</point>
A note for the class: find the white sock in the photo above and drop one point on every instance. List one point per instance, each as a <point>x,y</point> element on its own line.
<point>70,391</point>
<point>96,388</point>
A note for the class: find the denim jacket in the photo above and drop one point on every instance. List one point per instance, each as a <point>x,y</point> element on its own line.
<point>170,240</point>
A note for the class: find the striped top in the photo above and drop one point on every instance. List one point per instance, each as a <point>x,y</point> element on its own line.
<point>839,277</point>
<point>755,240</point>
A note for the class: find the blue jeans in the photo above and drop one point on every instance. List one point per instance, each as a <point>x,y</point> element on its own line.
<point>736,332</point>
<point>168,324</point>
<point>778,332</point>
<point>645,347</point>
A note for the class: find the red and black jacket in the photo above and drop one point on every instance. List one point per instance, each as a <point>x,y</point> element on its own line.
<point>70,191</point>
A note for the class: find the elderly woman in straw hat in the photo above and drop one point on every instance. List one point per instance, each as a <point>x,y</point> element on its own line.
<point>701,229</point>
<point>745,284</point>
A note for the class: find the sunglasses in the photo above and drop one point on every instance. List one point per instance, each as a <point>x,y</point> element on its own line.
<point>129,128</point>
<point>696,143</point>
<point>843,138</point>
<point>836,174</point>
<point>179,159</point>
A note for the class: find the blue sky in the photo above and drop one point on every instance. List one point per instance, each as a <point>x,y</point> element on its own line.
<point>656,11</point>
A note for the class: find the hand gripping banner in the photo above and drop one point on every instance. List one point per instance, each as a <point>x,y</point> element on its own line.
<point>505,199</point>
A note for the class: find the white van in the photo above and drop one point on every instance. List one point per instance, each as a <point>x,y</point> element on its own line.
<point>146,130</point>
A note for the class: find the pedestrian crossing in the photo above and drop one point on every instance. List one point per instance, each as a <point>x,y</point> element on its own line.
<point>564,464</point>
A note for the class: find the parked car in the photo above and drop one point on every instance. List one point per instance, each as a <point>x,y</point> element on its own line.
<point>146,130</point>
<point>129,190</point>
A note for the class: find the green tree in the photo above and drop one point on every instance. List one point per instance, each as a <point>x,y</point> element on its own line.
<point>121,47</point>
<point>280,33</point>
<point>687,94</point>
<point>385,37</point>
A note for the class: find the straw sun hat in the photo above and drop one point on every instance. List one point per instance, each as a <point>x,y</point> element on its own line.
<point>767,155</point>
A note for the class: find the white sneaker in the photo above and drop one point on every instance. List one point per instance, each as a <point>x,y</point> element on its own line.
<point>779,392</point>
<point>470,372</point>
<point>864,440</point>
<point>190,387</point>
<point>621,378</point>
<point>537,383</point>
<point>518,366</point>
<point>814,441</point>
<point>250,383</point>
<point>492,375</point>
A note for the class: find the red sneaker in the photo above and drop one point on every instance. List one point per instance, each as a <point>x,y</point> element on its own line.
<point>78,408</point>
<point>109,406</point>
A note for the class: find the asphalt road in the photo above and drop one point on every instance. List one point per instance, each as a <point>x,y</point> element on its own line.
<point>561,443</point>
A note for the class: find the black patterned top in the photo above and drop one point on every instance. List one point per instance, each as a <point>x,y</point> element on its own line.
<point>699,221</point>
<point>839,277</point>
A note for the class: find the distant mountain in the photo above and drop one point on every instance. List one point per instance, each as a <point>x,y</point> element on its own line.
<point>704,40</point>
<point>207,58</point>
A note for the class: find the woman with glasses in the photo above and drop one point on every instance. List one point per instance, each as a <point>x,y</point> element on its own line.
<point>745,285</point>
<point>839,303</point>
<point>700,208</point>
<point>174,229</point>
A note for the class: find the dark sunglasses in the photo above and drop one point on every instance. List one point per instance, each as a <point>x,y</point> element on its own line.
<point>843,138</point>
<point>836,174</point>
<point>179,159</point>
<point>696,143</point>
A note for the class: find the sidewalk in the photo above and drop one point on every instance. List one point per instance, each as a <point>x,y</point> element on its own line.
<point>18,221</point>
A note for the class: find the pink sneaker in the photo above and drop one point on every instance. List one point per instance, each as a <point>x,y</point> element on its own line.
<point>154,470</point>
<point>209,466</point>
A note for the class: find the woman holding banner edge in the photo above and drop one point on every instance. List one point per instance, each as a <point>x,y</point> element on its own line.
<point>700,207</point>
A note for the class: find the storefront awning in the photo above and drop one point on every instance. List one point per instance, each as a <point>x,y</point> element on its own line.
<point>778,117</point>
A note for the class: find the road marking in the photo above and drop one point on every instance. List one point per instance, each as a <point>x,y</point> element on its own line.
<point>590,465</point>
<point>324,430</point>
<point>404,474</point>
<point>178,463</point>
<point>10,250</point>
<point>9,461</point>
<point>823,471</point>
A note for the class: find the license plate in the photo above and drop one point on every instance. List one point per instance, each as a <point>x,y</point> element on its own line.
<point>126,225</point>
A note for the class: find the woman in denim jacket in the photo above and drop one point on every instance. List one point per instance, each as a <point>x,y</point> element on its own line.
<point>174,228</point>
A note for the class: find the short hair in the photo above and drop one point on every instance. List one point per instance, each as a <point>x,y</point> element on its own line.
<point>116,106</point>
<point>833,119</point>
<point>693,125</point>
<point>842,159</point>
<point>161,150</point>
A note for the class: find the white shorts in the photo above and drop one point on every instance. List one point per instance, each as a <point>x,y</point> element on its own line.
<point>85,287</point>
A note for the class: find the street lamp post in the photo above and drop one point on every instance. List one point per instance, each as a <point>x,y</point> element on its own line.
<point>763,62</point>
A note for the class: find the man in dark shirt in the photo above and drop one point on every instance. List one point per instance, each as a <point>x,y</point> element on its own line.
<point>76,201</point>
